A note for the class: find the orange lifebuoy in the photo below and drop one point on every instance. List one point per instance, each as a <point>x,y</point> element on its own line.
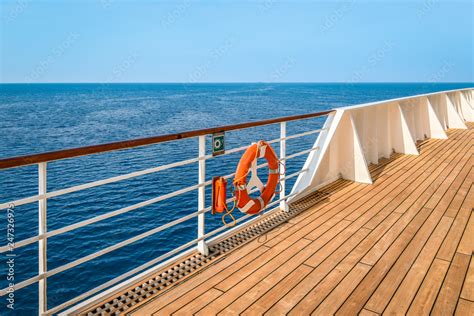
<point>248,163</point>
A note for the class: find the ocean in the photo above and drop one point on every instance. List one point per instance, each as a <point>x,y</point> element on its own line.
<point>37,118</point>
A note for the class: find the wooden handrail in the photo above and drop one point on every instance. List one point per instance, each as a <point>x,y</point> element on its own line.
<point>95,149</point>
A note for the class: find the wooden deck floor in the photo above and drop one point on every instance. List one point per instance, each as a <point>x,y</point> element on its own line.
<point>401,245</point>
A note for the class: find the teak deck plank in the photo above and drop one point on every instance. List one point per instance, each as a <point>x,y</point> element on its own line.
<point>424,299</point>
<point>466,245</point>
<point>278,291</point>
<point>196,305</point>
<point>468,287</point>
<point>331,304</point>
<point>402,245</point>
<point>464,307</point>
<point>448,295</point>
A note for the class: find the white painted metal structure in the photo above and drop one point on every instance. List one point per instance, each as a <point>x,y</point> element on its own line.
<point>351,138</point>
<point>356,136</point>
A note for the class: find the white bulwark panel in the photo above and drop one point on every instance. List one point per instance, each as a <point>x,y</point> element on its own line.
<point>356,136</point>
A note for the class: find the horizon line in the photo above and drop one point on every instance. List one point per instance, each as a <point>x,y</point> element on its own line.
<point>236,82</point>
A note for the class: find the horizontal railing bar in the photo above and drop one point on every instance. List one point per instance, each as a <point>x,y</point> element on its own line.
<point>135,174</point>
<point>23,243</point>
<point>119,245</point>
<point>95,149</point>
<point>102,217</point>
<point>234,150</point>
<point>292,175</point>
<point>22,284</point>
<point>99,253</point>
<point>93,184</point>
<point>227,176</point>
<point>307,151</point>
<point>23,201</point>
<point>303,134</point>
<point>122,177</point>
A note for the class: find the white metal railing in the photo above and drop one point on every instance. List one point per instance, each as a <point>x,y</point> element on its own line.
<point>201,240</point>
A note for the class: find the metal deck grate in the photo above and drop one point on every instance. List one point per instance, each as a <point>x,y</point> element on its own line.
<point>172,275</point>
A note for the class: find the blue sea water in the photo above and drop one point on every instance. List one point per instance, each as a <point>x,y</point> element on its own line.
<point>44,117</point>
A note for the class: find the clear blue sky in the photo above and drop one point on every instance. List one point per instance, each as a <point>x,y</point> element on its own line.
<point>236,41</point>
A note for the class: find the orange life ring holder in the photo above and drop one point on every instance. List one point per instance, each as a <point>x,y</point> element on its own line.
<point>248,163</point>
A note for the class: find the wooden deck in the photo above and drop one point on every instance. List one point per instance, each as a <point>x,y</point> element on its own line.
<point>401,245</point>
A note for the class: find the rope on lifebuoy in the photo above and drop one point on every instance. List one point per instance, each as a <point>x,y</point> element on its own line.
<point>247,164</point>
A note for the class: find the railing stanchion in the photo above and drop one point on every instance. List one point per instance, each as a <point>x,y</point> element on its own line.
<point>42,229</point>
<point>202,247</point>
<point>283,204</point>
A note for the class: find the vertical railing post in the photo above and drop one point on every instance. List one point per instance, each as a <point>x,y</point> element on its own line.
<point>283,203</point>
<point>202,247</point>
<point>42,229</point>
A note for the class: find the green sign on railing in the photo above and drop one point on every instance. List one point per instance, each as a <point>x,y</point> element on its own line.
<point>218,143</point>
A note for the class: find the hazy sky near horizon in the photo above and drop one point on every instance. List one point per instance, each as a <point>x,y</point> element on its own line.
<point>236,41</point>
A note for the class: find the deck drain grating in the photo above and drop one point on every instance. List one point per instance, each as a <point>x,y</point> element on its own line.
<point>162,281</point>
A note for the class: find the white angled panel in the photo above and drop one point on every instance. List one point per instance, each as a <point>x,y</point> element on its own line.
<point>407,109</point>
<point>467,108</point>
<point>372,136</point>
<point>419,127</point>
<point>360,169</point>
<point>406,143</point>
<point>438,102</point>
<point>384,143</point>
<point>453,118</point>
<point>436,129</point>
